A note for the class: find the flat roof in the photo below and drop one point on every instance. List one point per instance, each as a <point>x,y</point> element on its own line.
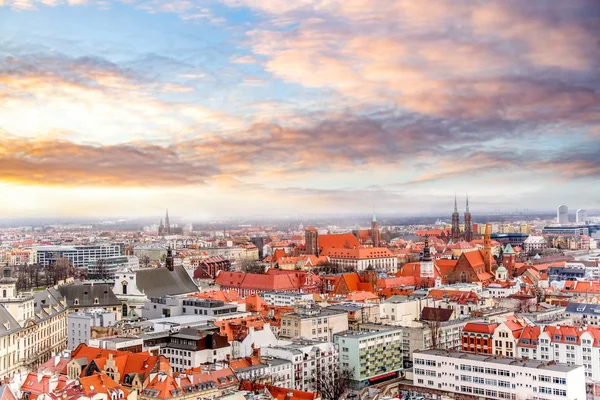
<point>507,361</point>
<point>367,334</point>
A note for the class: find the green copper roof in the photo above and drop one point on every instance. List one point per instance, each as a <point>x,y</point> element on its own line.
<point>508,249</point>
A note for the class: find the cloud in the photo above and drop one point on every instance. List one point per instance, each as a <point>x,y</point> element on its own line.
<point>64,163</point>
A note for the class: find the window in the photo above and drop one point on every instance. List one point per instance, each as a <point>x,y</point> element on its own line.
<point>560,381</point>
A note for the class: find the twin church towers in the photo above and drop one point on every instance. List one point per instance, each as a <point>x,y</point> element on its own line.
<point>467,235</point>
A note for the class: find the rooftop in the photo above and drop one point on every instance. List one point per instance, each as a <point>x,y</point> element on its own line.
<point>367,334</point>
<point>500,360</point>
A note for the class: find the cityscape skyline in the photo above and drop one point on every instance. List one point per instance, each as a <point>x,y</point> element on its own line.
<point>237,107</point>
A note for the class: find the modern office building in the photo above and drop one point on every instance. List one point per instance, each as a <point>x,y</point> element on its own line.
<point>79,255</point>
<point>107,267</point>
<point>497,377</point>
<point>581,229</point>
<point>372,356</point>
<point>581,216</point>
<point>562,214</point>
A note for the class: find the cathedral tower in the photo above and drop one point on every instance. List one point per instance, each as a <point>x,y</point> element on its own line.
<point>468,223</point>
<point>167,224</point>
<point>455,236</point>
<point>311,240</point>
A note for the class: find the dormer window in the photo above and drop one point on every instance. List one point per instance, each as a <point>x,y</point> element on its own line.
<point>76,302</point>
<point>96,300</point>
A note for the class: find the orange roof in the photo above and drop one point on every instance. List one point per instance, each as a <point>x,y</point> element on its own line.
<point>227,296</point>
<point>279,393</point>
<point>530,333</point>
<point>338,240</point>
<point>358,253</point>
<point>291,280</point>
<point>480,327</point>
<point>100,383</point>
<point>361,296</point>
<point>244,363</point>
<point>238,328</point>
<point>475,258</point>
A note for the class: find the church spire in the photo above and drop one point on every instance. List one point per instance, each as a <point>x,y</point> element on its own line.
<point>374,218</point>
<point>467,210</point>
<point>455,205</point>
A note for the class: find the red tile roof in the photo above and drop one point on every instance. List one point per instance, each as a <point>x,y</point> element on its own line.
<point>341,240</point>
<point>480,327</point>
<point>358,253</point>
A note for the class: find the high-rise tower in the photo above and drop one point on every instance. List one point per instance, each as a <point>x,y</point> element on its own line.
<point>562,214</point>
<point>455,235</point>
<point>468,223</point>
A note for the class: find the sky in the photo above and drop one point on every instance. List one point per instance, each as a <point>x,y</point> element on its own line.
<point>278,107</point>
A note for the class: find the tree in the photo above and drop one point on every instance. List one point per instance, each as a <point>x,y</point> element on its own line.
<point>101,269</point>
<point>332,386</point>
<point>434,323</point>
<point>251,266</point>
<point>145,261</point>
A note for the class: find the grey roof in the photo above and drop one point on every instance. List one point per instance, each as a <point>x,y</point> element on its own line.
<point>87,293</point>
<point>48,303</point>
<point>583,308</point>
<point>157,282</point>
<point>8,324</point>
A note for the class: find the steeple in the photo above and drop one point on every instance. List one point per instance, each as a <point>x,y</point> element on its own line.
<point>467,209</point>
<point>455,223</point>
<point>468,223</point>
<point>167,223</point>
<point>374,218</point>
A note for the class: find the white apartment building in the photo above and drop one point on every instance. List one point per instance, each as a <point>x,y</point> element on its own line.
<point>274,371</point>
<point>173,306</point>
<point>286,299</point>
<point>79,325</point>
<point>190,348</point>
<point>497,377</point>
<point>313,322</point>
<point>309,359</point>
<point>537,243</point>
<point>566,344</point>
<point>79,255</point>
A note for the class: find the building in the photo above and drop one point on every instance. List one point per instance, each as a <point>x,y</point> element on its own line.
<point>311,236</point>
<point>106,268</point>
<point>583,313</point>
<point>468,223</point>
<point>79,325</point>
<point>274,280</point>
<point>535,244</point>
<point>89,296</point>
<point>359,313</point>
<point>477,337</point>
<point>515,239</point>
<point>495,377</point>
<point>286,298</point>
<point>173,306</point>
<point>207,268</point>
<point>266,370</point>
<point>455,232</point>
<point>313,322</point>
<point>372,356</point>
<point>562,214</point>
<point>581,216</point>
<point>309,358</point>
<point>190,347</point>
<point>32,327</point>
<point>361,259</point>
<point>592,230</point>
<point>79,256</point>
